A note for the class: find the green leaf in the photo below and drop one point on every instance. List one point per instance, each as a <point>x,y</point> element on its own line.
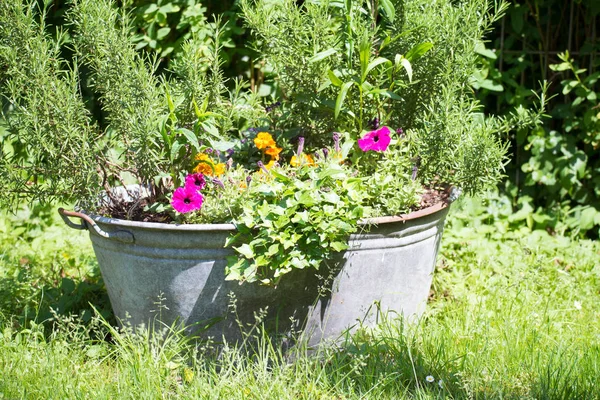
<point>406,64</point>
<point>331,171</point>
<point>162,33</point>
<point>490,85</point>
<point>245,250</point>
<point>364,55</point>
<point>175,150</point>
<point>305,198</point>
<point>67,285</point>
<point>568,86</point>
<point>301,217</point>
<point>374,63</point>
<point>331,197</point>
<point>211,129</point>
<point>149,9</point>
<point>338,246</point>
<point>322,55</point>
<point>169,99</point>
<point>334,79</point>
<point>391,95</point>
<point>273,250</point>
<point>418,51</point>
<point>341,97</point>
<point>280,176</point>
<point>388,9</point>
<point>221,145</point>
<point>587,218</point>
<point>191,137</point>
<point>482,51</point>
<point>169,8</point>
<point>560,67</point>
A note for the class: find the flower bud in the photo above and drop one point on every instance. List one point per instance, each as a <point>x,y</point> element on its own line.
<point>300,145</point>
<point>336,141</point>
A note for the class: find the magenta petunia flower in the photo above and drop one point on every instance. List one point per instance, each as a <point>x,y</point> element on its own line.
<point>377,140</point>
<point>186,199</point>
<point>195,180</point>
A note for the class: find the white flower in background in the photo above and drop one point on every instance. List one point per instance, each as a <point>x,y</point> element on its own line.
<point>577,305</point>
<point>441,383</point>
<point>430,378</point>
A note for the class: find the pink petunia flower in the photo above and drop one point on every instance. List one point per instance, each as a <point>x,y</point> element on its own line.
<point>187,199</point>
<point>195,180</point>
<point>377,140</point>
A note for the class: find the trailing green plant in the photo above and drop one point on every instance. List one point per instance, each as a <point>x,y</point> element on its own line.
<point>297,218</point>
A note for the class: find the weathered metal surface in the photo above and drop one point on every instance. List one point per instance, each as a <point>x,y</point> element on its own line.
<point>386,270</point>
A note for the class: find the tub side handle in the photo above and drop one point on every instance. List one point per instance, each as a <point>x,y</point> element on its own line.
<point>120,235</point>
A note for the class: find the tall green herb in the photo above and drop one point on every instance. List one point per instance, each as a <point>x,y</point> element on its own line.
<point>51,146</point>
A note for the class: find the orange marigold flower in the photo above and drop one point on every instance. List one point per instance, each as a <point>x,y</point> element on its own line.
<point>264,140</point>
<point>304,159</point>
<point>204,168</point>
<point>273,152</point>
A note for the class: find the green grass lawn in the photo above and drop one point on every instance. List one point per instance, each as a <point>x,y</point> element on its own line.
<point>513,314</point>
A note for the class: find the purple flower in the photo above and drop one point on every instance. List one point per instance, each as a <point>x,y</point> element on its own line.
<point>196,181</point>
<point>186,199</point>
<point>377,140</point>
<point>325,153</point>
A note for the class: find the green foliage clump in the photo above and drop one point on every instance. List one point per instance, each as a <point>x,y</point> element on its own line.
<point>295,219</point>
<point>553,172</point>
<point>403,64</point>
<point>50,145</point>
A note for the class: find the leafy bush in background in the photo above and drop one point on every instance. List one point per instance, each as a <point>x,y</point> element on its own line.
<point>555,169</point>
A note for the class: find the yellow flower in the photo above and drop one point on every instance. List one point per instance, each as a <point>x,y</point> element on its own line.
<point>273,152</point>
<point>204,168</point>
<point>304,159</point>
<point>270,164</point>
<point>220,169</point>
<point>264,140</point>
<point>203,157</point>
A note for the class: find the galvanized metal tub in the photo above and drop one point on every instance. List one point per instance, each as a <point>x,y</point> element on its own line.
<point>176,273</point>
